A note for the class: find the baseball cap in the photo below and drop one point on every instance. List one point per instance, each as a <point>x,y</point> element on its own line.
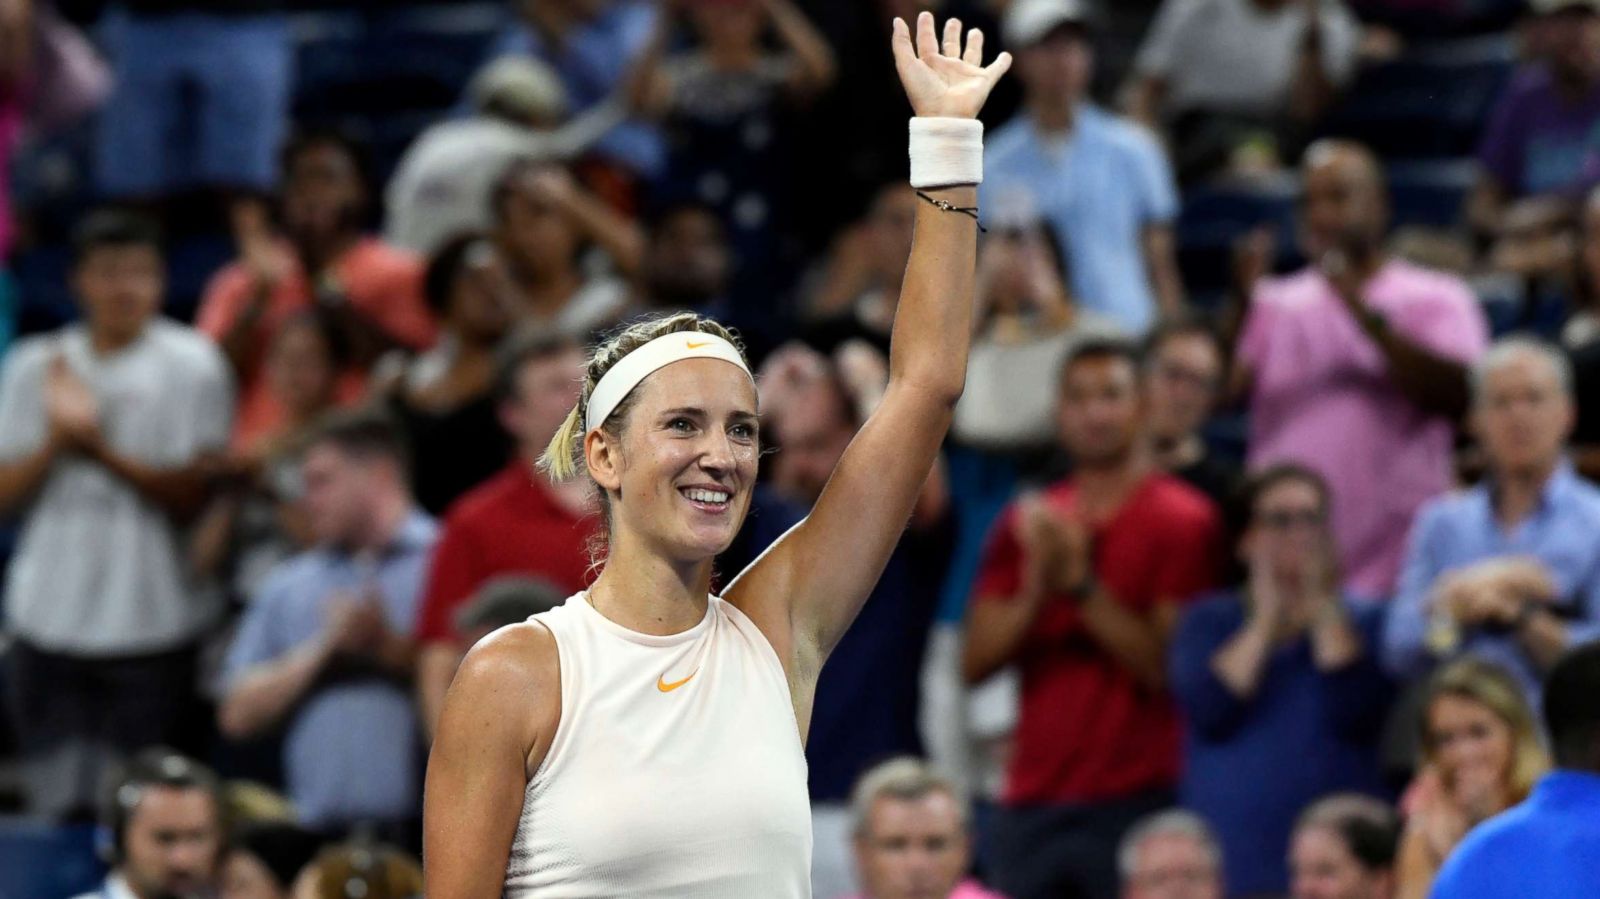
<point>1027,21</point>
<point>1550,7</point>
<point>520,85</point>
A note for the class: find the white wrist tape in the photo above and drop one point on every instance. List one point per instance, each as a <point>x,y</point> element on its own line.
<point>946,151</point>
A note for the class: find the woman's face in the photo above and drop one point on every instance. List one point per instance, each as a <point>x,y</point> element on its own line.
<point>1472,746</point>
<point>300,368</point>
<point>481,305</point>
<point>1288,530</point>
<point>681,483</point>
<point>245,877</point>
<point>1019,272</point>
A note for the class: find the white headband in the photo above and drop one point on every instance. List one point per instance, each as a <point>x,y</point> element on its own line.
<point>617,383</point>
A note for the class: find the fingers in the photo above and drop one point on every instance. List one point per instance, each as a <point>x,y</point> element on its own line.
<point>974,54</point>
<point>901,43</point>
<point>1000,66</point>
<point>927,42</point>
<point>952,38</point>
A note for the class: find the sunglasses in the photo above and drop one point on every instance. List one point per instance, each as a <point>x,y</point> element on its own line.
<point>1289,520</point>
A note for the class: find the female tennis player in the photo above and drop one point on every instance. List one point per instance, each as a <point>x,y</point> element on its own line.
<point>645,738</point>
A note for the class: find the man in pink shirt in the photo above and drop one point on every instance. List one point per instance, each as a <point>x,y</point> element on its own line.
<point>911,835</point>
<point>370,291</point>
<point>1356,366</point>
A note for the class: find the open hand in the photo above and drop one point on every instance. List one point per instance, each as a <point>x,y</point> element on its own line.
<point>69,403</point>
<point>947,81</point>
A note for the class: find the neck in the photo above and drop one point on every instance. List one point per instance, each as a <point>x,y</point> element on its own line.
<point>104,342</point>
<point>389,513</point>
<point>1052,116</point>
<point>320,253</point>
<point>1108,482</point>
<point>1516,493</point>
<point>644,591</point>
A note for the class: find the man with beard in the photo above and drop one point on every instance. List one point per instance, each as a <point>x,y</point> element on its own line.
<point>166,829</point>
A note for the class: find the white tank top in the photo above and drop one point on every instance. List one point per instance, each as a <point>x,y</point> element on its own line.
<point>676,767</point>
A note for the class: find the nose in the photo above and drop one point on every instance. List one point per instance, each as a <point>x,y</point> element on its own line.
<point>716,454</point>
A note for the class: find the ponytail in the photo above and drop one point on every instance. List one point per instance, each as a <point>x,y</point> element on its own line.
<point>560,458</point>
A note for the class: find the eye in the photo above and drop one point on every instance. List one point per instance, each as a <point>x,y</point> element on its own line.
<point>681,425</point>
<point>743,432</point>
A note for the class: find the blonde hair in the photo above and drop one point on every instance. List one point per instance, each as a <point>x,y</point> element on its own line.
<point>563,459</point>
<point>1492,687</point>
<point>383,872</point>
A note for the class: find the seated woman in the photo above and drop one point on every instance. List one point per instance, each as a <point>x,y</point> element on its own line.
<point>444,398</point>
<point>1481,755</point>
<point>1278,682</point>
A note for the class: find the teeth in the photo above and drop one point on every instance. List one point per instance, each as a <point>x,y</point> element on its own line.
<point>706,496</point>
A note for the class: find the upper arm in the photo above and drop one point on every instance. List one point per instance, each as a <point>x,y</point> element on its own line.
<point>220,306</point>
<point>498,718</point>
<point>806,589</point>
<point>22,411</point>
<point>1158,53</point>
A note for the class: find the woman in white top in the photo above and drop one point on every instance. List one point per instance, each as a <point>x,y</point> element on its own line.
<point>645,738</point>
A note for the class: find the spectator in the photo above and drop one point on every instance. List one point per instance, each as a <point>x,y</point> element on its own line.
<point>1101,182</point>
<point>107,427</point>
<point>1088,631</point>
<point>1509,570</point>
<point>301,372</point>
<point>518,522</point>
<point>263,861</point>
<point>508,599</point>
<point>868,696</point>
<point>1356,366</point>
<point>1183,366</point>
<point>1343,847</point>
<point>1170,855</point>
<point>167,829</point>
<point>722,106</point>
<point>1221,77</point>
<point>542,223</point>
<point>1284,668</point>
<point>1027,324</point>
<point>442,186</point>
<point>16,64</point>
<point>201,96</point>
<point>911,835</point>
<point>591,45</point>
<point>326,650</point>
<point>361,870</point>
<point>443,398</point>
<point>1539,139</point>
<point>860,285</point>
<point>688,263</point>
<point>1482,754</point>
<point>323,260</point>
<point>1547,845</point>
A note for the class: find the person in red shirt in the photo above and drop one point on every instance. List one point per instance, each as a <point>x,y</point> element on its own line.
<point>517,522</point>
<point>1079,588</point>
<point>322,258</point>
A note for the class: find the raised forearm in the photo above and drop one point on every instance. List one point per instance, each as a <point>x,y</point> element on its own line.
<point>1433,382</point>
<point>1544,637</point>
<point>181,492</point>
<point>21,478</point>
<point>995,632</point>
<point>1133,640</point>
<point>265,694</point>
<point>934,320</point>
<point>1312,90</point>
<point>1240,662</point>
<point>621,238</point>
<point>811,51</point>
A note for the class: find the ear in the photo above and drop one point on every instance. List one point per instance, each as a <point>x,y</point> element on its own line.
<point>603,454</point>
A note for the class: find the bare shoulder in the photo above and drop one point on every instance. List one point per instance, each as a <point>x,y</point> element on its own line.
<point>509,681</point>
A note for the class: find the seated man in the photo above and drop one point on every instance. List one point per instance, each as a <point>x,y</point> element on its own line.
<point>166,823</point>
<point>326,649</point>
<point>911,834</point>
<point>1343,848</point>
<point>1509,570</point>
<point>1170,855</point>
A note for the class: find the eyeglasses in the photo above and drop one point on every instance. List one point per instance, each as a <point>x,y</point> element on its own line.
<point>1286,520</point>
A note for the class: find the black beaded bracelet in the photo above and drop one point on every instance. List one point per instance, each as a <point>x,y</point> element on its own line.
<point>948,206</point>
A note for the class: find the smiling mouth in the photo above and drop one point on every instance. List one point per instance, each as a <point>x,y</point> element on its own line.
<point>706,499</point>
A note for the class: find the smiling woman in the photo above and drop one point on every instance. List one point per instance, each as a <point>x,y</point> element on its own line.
<point>646,738</point>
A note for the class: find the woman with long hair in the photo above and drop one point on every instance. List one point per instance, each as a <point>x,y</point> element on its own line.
<point>1481,755</point>
<point>646,737</point>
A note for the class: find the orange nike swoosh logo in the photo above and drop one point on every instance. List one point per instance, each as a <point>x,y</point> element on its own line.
<point>695,346</point>
<point>663,686</point>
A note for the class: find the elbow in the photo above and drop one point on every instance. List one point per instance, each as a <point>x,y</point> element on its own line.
<point>977,665</point>
<point>234,719</point>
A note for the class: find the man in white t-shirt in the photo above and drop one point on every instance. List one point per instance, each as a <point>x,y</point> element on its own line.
<point>106,426</point>
<point>1220,74</point>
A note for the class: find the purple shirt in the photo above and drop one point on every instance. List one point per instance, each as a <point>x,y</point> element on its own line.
<point>1540,141</point>
<point>1322,397</point>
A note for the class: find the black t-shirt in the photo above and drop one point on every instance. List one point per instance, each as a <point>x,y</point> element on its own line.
<point>1215,477</point>
<point>453,451</point>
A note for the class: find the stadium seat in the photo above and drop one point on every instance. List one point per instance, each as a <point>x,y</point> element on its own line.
<point>1430,193</point>
<point>41,861</point>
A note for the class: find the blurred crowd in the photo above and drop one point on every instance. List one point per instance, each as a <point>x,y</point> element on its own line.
<point>1261,559</point>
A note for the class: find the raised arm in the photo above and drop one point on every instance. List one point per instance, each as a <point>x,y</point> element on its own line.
<point>807,589</point>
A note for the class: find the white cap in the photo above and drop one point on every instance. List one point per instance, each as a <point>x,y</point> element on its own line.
<point>1029,20</point>
<point>522,86</point>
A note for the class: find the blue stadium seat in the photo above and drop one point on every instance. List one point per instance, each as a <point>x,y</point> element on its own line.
<point>1430,193</point>
<point>41,861</point>
<point>1216,216</point>
<point>1430,103</point>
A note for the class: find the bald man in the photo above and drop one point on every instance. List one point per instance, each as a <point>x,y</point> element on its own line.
<point>1357,365</point>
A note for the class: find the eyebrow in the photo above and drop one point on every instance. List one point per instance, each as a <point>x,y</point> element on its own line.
<point>698,412</point>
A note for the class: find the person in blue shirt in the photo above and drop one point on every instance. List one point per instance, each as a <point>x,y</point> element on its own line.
<point>1102,182</point>
<point>1284,668</point>
<point>326,648</point>
<point>1550,844</point>
<point>1508,570</point>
